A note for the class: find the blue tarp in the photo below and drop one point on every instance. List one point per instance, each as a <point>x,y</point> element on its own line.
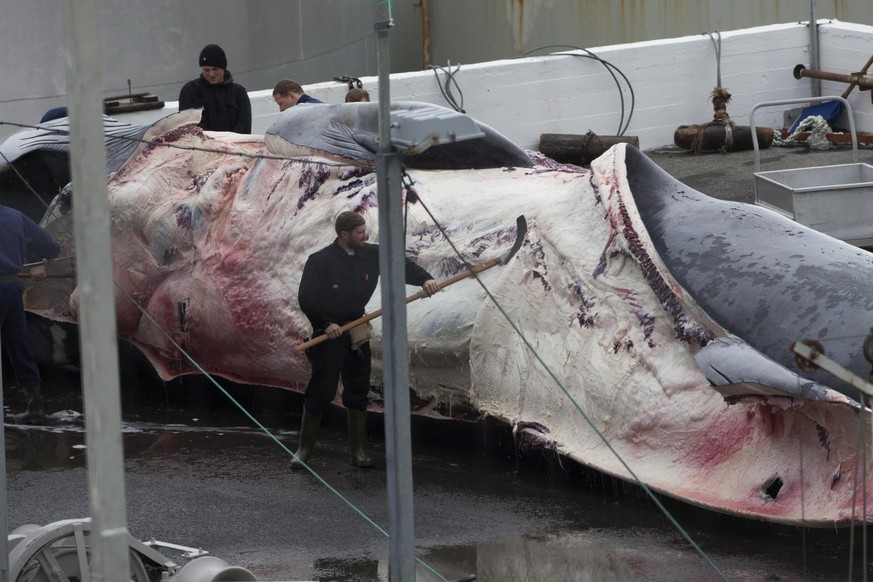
<point>829,110</point>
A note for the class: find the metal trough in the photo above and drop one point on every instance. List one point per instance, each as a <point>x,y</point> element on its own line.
<point>836,200</point>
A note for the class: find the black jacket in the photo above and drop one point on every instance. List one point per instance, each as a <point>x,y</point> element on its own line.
<point>335,286</point>
<point>226,106</point>
<point>22,240</point>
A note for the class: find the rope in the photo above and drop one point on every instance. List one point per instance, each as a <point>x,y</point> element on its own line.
<point>566,392</point>
<point>802,505</point>
<point>240,153</point>
<point>524,339</point>
<point>610,68</point>
<point>446,88</point>
<point>818,129</point>
<point>861,422</point>
<point>818,124</point>
<point>255,421</point>
<point>267,431</point>
<point>717,47</point>
<point>25,182</point>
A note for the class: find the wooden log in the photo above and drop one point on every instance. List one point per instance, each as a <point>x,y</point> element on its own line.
<point>863,138</point>
<point>113,108</point>
<point>568,148</point>
<point>714,138</point>
<point>131,103</point>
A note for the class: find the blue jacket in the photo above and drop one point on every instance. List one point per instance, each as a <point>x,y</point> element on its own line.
<point>22,241</point>
<point>307,99</point>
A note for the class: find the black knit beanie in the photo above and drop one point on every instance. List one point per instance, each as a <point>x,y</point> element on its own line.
<point>212,55</point>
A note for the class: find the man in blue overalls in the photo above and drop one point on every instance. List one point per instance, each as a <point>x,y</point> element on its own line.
<point>21,241</point>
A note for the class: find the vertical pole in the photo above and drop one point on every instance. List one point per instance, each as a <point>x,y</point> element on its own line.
<point>425,33</point>
<point>396,367</point>
<point>99,346</point>
<point>4,526</point>
<point>813,48</point>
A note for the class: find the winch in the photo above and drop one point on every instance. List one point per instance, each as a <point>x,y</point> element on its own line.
<point>61,552</point>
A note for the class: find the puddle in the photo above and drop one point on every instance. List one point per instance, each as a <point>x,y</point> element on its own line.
<point>201,474</point>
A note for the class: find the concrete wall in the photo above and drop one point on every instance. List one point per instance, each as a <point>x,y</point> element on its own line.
<point>671,81</point>
<point>155,44</point>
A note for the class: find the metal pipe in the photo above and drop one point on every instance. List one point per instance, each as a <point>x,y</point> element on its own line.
<point>425,34</point>
<point>813,47</point>
<point>99,344</point>
<point>856,76</point>
<point>395,379</point>
<point>856,79</point>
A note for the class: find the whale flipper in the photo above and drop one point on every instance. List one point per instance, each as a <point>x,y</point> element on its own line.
<point>738,371</point>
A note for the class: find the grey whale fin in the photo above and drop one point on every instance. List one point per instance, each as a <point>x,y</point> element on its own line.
<point>121,139</point>
<point>349,130</point>
<point>353,142</point>
<point>740,372</point>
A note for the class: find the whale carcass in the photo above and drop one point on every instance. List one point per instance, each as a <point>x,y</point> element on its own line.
<point>640,312</point>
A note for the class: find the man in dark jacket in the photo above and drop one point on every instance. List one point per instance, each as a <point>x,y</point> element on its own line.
<point>288,93</point>
<point>336,285</point>
<point>226,105</point>
<point>21,240</point>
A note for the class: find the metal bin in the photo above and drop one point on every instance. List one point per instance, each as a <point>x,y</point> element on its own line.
<point>835,200</point>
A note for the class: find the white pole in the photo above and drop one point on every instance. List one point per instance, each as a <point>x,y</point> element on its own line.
<point>99,346</point>
<point>813,48</point>
<point>392,251</point>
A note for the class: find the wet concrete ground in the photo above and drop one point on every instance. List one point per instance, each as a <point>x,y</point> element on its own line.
<point>199,473</point>
<point>731,176</point>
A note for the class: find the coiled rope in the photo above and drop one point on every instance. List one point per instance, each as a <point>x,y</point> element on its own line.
<point>818,130</point>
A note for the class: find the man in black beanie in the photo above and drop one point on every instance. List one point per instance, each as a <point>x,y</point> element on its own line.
<point>226,105</point>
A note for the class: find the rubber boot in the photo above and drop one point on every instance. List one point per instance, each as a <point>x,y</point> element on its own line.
<point>358,438</point>
<point>308,433</point>
<point>34,413</point>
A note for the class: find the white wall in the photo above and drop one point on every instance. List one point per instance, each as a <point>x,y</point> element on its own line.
<point>671,80</point>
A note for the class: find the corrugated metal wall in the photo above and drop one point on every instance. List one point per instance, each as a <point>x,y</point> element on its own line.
<point>467,31</point>
<point>155,44</point>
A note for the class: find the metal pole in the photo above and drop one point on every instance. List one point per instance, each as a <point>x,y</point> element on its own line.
<point>425,33</point>
<point>99,346</point>
<point>849,115</point>
<point>396,367</point>
<point>4,526</point>
<point>813,48</point>
<point>854,80</point>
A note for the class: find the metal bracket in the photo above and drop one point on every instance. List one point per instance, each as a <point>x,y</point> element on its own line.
<point>829,365</point>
